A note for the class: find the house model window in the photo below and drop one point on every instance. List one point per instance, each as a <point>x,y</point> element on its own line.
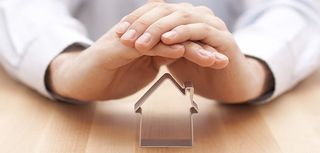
<point>166,117</point>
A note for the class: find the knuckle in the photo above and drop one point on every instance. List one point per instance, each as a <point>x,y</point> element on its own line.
<point>166,8</point>
<point>205,9</point>
<point>220,23</point>
<point>207,47</point>
<point>141,23</point>
<point>206,27</point>
<point>187,43</point>
<point>185,15</point>
<point>131,17</point>
<point>156,26</point>
<point>124,18</point>
<point>228,35</point>
<point>180,29</point>
<point>193,46</point>
<point>229,41</point>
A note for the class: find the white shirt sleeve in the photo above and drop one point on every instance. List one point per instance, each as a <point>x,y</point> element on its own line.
<point>32,33</point>
<point>285,34</point>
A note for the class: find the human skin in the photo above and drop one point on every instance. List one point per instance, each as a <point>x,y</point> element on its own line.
<point>108,69</point>
<point>117,65</point>
<point>244,78</point>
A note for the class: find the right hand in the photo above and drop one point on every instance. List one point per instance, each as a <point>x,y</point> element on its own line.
<point>107,69</point>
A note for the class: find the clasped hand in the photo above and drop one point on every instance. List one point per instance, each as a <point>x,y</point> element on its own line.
<point>190,40</point>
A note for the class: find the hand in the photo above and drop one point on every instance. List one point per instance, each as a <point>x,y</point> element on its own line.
<point>107,69</point>
<point>143,28</point>
<point>242,80</point>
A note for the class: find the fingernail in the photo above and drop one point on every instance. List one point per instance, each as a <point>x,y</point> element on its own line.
<point>130,34</point>
<point>144,39</point>
<point>220,57</point>
<point>122,27</point>
<point>206,53</point>
<point>170,34</point>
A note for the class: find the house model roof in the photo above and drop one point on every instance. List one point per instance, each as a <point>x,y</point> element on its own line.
<point>183,89</point>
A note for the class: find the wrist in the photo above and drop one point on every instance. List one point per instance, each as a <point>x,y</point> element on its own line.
<point>254,79</point>
<point>265,79</point>
<point>57,71</point>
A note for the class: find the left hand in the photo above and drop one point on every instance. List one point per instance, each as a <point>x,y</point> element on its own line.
<point>242,80</point>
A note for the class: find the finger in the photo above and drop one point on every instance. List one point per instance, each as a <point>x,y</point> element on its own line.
<point>165,24</point>
<point>162,50</point>
<point>142,23</point>
<point>129,19</point>
<point>198,55</point>
<point>199,32</point>
<point>221,61</point>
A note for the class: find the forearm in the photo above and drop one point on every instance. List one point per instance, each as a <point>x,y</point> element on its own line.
<point>28,46</point>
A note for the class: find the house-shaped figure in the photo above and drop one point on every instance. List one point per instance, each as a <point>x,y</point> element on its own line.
<point>166,120</point>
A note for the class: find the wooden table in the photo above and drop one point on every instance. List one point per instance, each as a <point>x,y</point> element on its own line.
<point>31,123</point>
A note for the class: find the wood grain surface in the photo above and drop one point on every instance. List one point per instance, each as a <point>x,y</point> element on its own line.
<point>32,123</point>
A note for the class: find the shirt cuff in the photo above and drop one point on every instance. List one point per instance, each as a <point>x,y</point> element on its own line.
<point>268,49</point>
<point>41,52</point>
<point>276,44</point>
